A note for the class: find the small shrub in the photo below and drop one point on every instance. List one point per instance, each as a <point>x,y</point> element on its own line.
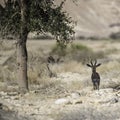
<point>111,51</point>
<point>6,45</point>
<point>77,52</point>
<point>59,49</point>
<point>79,47</point>
<point>115,35</point>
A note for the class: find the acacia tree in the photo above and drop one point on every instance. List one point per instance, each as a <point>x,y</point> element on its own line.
<point>20,17</point>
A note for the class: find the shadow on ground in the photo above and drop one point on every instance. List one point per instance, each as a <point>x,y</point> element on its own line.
<point>10,115</point>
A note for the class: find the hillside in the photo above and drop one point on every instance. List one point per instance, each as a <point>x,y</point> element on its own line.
<point>97,18</point>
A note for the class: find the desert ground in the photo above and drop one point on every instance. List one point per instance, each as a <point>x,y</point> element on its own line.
<point>69,95</point>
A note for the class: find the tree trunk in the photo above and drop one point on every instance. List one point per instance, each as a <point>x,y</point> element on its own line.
<point>21,48</point>
<point>22,66</point>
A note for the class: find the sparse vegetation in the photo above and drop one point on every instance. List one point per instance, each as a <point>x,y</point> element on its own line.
<point>77,52</point>
<point>72,76</point>
<point>72,61</point>
<point>59,49</point>
<point>4,45</point>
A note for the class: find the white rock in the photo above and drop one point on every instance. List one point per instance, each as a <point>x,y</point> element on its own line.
<point>3,93</point>
<point>75,95</point>
<point>62,101</point>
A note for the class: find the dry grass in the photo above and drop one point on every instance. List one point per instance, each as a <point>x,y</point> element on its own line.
<point>6,45</point>
<point>110,74</point>
<point>38,74</point>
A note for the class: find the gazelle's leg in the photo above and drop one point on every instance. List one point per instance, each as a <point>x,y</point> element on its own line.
<point>93,86</point>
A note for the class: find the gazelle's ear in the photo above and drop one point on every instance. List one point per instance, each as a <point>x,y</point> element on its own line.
<point>98,65</point>
<point>88,65</point>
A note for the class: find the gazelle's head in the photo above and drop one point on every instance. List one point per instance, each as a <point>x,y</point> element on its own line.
<point>93,64</point>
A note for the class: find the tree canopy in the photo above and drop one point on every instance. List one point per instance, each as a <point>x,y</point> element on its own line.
<point>44,16</point>
<point>19,17</point>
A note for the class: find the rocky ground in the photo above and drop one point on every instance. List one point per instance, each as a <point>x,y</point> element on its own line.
<point>85,104</point>
<point>69,96</point>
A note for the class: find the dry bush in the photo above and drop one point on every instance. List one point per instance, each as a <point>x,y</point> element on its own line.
<point>38,75</point>
<point>111,51</point>
<point>79,85</point>
<point>8,62</point>
<point>8,76</point>
<point>49,87</point>
<point>38,72</point>
<point>6,45</point>
<point>8,70</point>
<point>110,74</point>
<point>71,66</point>
<point>37,67</point>
<point>110,67</point>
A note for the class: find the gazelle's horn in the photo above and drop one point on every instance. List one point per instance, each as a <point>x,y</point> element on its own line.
<point>91,62</point>
<point>95,62</point>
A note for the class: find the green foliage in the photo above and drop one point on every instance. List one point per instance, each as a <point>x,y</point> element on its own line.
<point>62,50</point>
<point>79,47</point>
<point>9,18</point>
<point>59,49</point>
<point>77,52</point>
<point>44,16</point>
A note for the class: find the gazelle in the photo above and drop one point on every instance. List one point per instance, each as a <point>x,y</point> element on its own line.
<point>95,76</point>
